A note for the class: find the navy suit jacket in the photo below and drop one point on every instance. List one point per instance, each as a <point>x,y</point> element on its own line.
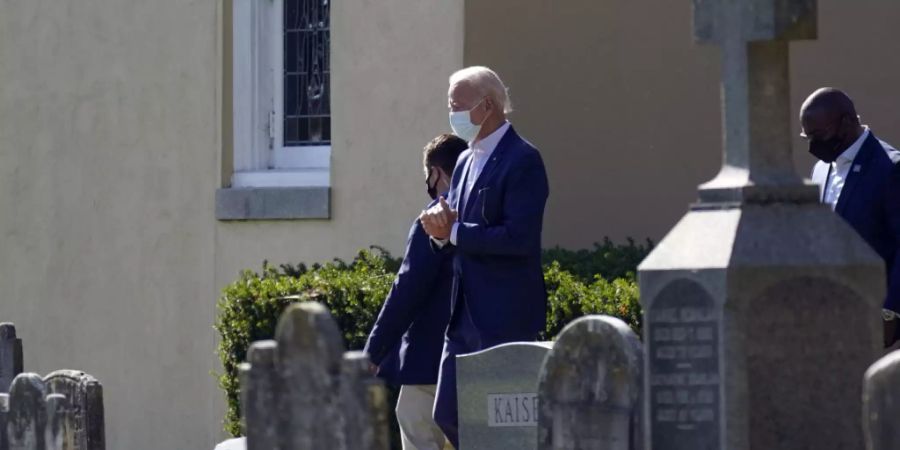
<point>497,267</point>
<point>870,203</point>
<point>408,337</point>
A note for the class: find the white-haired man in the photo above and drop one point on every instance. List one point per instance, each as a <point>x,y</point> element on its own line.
<point>492,218</point>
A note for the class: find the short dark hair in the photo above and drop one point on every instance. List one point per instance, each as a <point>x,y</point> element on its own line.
<point>443,151</point>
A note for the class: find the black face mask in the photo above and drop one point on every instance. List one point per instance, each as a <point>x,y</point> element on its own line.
<point>432,189</point>
<point>828,150</point>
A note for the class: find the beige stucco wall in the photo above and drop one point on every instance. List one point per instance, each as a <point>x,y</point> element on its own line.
<point>113,140</point>
<point>625,107</point>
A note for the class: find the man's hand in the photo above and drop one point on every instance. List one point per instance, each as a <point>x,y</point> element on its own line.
<point>438,220</point>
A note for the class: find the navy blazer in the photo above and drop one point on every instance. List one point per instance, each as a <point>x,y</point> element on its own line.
<point>408,337</point>
<point>870,203</point>
<point>497,267</point>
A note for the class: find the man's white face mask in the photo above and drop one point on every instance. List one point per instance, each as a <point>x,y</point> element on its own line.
<point>461,123</point>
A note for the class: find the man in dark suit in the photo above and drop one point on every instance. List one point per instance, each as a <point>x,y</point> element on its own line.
<point>860,179</point>
<point>492,219</point>
<point>410,328</point>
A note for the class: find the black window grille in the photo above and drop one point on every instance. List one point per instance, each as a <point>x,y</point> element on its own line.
<point>307,84</point>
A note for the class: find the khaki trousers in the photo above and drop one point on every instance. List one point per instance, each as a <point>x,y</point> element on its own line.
<point>417,428</point>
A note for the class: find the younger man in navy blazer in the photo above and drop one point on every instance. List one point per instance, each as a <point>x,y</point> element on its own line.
<point>411,325</point>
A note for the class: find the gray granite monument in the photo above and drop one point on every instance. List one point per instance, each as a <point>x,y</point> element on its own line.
<point>10,355</point>
<point>497,392</point>
<point>27,419</point>
<point>57,413</point>
<point>590,388</point>
<point>761,306</point>
<point>881,403</point>
<point>4,415</point>
<point>302,392</point>
<point>83,424</point>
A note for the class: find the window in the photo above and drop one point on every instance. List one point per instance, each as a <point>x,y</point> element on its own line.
<point>281,96</point>
<point>282,110</point>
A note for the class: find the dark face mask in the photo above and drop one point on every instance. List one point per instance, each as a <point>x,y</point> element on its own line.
<point>828,150</point>
<point>432,189</point>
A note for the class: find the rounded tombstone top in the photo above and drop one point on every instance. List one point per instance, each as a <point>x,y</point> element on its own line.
<point>7,331</point>
<point>308,329</point>
<point>262,353</point>
<point>68,374</point>
<point>888,364</point>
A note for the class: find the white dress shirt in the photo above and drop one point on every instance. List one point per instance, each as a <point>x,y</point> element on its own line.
<point>481,153</point>
<point>840,169</point>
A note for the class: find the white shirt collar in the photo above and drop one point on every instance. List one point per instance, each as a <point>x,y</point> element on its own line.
<point>850,154</point>
<point>487,145</point>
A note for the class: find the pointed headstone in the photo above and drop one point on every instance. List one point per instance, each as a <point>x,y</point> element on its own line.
<point>881,403</point>
<point>259,394</point>
<point>27,418</point>
<point>10,355</point>
<point>83,427</point>
<point>590,388</point>
<point>310,349</point>
<point>364,405</point>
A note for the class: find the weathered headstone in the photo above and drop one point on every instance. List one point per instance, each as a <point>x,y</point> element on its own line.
<point>27,420</point>
<point>310,348</point>
<point>364,405</point>
<point>497,391</point>
<point>57,410</point>
<point>302,392</point>
<point>83,425</point>
<point>761,305</point>
<point>881,403</point>
<point>10,355</point>
<point>590,388</point>
<point>259,385</point>
<point>235,444</point>
<point>4,415</point>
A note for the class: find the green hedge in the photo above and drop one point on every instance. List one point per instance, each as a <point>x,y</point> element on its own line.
<point>577,283</point>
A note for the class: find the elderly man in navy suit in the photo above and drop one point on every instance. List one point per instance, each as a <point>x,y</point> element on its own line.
<point>492,220</point>
<point>860,179</point>
<point>410,328</point>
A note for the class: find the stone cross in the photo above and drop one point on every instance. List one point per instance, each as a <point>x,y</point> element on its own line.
<point>881,403</point>
<point>10,355</point>
<point>27,419</point>
<point>497,391</point>
<point>590,388</point>
<point>742,296</point>
<point>754,37</point>
<point>83,423</point>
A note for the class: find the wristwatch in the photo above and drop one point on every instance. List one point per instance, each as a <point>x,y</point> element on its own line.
<point>888,315</point>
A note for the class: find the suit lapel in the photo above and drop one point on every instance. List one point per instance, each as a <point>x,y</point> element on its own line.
<point>460,198</point>
<point>857,171</point>
<point>491,164</point>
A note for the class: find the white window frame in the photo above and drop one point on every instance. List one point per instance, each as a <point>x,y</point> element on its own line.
<point>260,157</point>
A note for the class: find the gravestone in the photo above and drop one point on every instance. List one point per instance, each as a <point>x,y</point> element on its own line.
<point>497,392</point>
<point>234,444</point>
<point>57,410</point>
<point>259,384</point>
<point>27,419</point>
<point>83,424</point>
<point>364,405</point>
<point>4,415</point>
<point>302,392</point>
<point>10,355</point>
<point>761,305</point>
<point>590,388</point>
<point>881,403</point>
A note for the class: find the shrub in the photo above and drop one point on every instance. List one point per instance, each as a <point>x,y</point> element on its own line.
<point>582,282</point>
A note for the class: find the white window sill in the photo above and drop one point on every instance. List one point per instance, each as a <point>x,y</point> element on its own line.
<point>312,177</point>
